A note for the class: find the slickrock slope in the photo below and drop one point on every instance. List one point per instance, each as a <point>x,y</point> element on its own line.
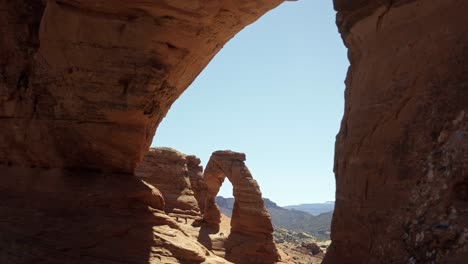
<point>401,154</point>
<point>168,171</point>
<point>251,239</point>
<point>56,216</point>
<point>85,83</point>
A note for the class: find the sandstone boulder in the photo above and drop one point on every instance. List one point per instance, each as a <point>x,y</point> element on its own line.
<point>169,171</point>
<point>313,247</point>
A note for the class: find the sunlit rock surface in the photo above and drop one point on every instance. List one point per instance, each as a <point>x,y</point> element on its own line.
<point>401,154</point>
<point>251,238</point>
<point>85,83</point>
<point>168,170</point>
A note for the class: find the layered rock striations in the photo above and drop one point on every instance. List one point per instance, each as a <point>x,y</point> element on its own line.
<point>400,158</point>
<point>168,170</point>
<point>251,239</point>
<point>85,83</point>
<point>197,182</point>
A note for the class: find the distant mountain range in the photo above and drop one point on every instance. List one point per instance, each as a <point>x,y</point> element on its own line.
<point>299,220</point>
<point>313,208</point>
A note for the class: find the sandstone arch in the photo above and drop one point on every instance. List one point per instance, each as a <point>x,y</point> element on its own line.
<point>90,90</point>
<point>251,239</point>
<point>249,215</point>
<point>83,86</point>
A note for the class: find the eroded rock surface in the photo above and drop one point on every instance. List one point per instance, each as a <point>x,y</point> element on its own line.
<point>57,216</point>
<point>399,172</point>
<point>168,170</point>
<point>83,86</point>
<point>197,182</point>
<point>251,239</point>
<point>85,83</point>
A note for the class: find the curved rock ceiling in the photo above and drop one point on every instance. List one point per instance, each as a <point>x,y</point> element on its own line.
<point>90,85</point>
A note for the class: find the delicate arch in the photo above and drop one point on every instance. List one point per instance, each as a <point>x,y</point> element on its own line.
<point>249,215</point>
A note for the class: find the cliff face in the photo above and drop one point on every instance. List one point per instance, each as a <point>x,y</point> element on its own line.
<point>401,154</point>
<point>168,171</point>
<point>197,182</point>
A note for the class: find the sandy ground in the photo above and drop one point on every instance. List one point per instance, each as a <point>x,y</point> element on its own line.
<point>295,255</point>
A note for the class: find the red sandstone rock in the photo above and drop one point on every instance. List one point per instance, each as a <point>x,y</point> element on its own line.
<point>57,216</point>
<point>251,239</point>
<point>395,174</point>
<point>168,170</point>
<point>312,247</point>
<point>90,85</point>
<point>195,172</point>
<point>83,85</point>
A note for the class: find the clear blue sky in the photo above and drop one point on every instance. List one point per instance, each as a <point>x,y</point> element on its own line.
<point>274,92</point>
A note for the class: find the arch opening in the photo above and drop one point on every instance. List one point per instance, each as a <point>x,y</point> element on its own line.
<point>249,215</point>
<point>260,93</point>
<point>250,237</point>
